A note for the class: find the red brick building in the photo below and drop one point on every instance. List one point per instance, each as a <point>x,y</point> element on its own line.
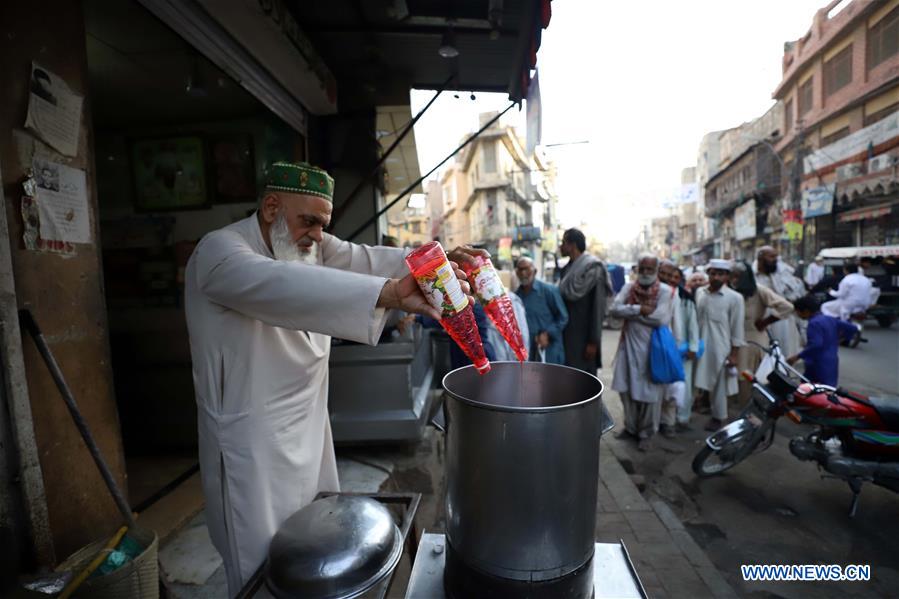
<point>840,91</point>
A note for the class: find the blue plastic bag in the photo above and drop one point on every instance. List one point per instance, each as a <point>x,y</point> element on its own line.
<point>665,364</point>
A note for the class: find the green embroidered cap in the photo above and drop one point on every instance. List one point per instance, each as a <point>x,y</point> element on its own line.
<point>300,177</point>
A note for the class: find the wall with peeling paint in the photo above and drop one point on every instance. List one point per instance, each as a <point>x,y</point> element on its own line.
<point>65,294</point>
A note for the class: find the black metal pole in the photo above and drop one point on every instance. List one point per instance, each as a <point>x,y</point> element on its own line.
<point>27,321</point>
<point>374,171</point>
<point>406,191</point>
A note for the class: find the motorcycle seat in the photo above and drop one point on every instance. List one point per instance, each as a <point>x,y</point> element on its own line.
<point>888,408</point>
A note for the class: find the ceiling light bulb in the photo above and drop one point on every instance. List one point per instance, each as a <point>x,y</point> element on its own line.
<point>448,45</point>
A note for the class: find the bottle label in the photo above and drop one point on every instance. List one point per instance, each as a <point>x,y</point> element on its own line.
<point>487,284</point>
<point>443,291</point>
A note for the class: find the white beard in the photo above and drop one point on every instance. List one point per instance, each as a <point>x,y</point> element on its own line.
<point>286,249</point>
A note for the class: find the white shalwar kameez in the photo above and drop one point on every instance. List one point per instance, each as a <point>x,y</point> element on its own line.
<point>632,378</point>
<point>787,285</point>
<point>260,336</point>
<point>720,314</point>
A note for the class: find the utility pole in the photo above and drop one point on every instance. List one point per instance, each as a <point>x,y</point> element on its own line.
<point>796,180</point>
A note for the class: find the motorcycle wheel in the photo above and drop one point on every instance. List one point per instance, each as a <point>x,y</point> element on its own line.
<point>709,462</point>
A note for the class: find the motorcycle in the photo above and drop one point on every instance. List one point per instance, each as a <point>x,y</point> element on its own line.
<point>855,437</point>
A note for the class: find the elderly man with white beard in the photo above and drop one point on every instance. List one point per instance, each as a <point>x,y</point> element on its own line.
<point>263,298</point>
<point>644,305</point>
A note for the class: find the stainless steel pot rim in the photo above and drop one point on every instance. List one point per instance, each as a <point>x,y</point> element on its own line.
<point>524,409</point>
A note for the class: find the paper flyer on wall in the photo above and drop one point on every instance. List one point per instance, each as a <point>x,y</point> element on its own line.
<point>54,111</point>
<point>61,197</point>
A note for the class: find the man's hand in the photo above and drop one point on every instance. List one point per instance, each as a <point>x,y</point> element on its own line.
<point>646,310</point>
<point>590,351</point>
<point>762,323</point>
<point>543,340</point>
<point>466,253</point>
<point>793,359</point>
<point>691,355</point>
<point>732,358</point>
<point>404,294</point>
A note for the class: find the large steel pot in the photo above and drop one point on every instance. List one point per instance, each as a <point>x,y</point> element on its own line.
<point>522,468</point>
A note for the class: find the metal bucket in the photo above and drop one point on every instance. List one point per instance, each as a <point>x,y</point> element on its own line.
<point>522,468</point>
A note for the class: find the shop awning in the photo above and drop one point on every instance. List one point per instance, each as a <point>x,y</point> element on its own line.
<point>866,213</point>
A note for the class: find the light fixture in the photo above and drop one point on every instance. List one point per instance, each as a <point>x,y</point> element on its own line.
<point>448,44</point>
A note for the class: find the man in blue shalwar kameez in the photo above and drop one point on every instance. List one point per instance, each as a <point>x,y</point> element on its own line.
<point>545,312</point>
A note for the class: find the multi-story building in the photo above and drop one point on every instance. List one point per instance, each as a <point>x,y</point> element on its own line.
<point>707,160</point>
<point>409,225</point>
<point>840,90</point>
<point>744,198</point>
<point>497,196</point>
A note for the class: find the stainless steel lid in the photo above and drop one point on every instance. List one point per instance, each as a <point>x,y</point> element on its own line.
<point>336,547</point>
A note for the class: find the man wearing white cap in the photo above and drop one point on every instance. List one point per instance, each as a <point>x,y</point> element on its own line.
<point>721,312</point>
<point>263,298</point>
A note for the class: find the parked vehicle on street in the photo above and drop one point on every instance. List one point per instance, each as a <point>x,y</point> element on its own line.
<point>855,438</point>
<point>882,266</point>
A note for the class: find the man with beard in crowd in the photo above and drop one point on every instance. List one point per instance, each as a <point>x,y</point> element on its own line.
<point>771,272</point>
<point>545,313</point>
<point>585,287</point>
<point>263,298</point>
<point>643,305</point>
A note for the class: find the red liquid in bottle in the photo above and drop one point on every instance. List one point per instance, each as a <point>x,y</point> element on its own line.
<point>431,268</point>
<point>493,296</point>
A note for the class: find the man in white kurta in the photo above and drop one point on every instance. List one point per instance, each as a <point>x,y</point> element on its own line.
<point>720,310</point>
<point>263,298</point>
<point>852,296</point>
<point>643,305</point>
<point>771,272</point>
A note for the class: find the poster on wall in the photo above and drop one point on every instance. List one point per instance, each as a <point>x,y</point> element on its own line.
<point>55,208</point>
<point>54,111</point>
<point>792,220</point>
<point>169,174</point>
<point>233,168</point>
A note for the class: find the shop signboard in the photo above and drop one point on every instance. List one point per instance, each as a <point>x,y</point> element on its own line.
<point>744,221</point>
<point>855,144</point>
<point>817,201</point>
<point>792,225</point>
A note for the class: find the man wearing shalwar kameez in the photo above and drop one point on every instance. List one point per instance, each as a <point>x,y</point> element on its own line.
<point>263,297</point>
<point>721,313</point>
<point>772,272</point>
<point>643,305</point>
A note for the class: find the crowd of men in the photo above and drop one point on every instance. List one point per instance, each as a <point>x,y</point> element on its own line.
<point>720,319</point>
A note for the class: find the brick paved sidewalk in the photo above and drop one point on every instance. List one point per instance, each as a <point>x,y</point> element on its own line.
<point>669,562</point>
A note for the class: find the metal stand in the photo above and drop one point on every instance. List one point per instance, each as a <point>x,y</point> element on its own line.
<point>613,573</point>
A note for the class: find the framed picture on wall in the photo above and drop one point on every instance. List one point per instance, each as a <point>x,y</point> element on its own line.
<point>169,173</point>
<point>233,168</point>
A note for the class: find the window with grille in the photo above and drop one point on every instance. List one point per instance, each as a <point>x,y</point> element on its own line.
<point>838,71</point>
<point>883,39</point>
<point>805,96</point>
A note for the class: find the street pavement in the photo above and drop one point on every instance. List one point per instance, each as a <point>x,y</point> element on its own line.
<point>774,509</point>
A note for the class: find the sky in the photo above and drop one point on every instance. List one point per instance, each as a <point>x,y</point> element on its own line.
<point>642,82</point>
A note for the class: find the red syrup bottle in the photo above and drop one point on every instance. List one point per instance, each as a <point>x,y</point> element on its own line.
<point>434,274</point>
<point>489,289</point>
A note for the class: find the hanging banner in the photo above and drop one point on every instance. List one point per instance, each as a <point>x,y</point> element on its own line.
<point>792,225</point>
<point>534,114</point>
<point>818,201</point>
<point>504,249</point>
<point>744,221</point>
